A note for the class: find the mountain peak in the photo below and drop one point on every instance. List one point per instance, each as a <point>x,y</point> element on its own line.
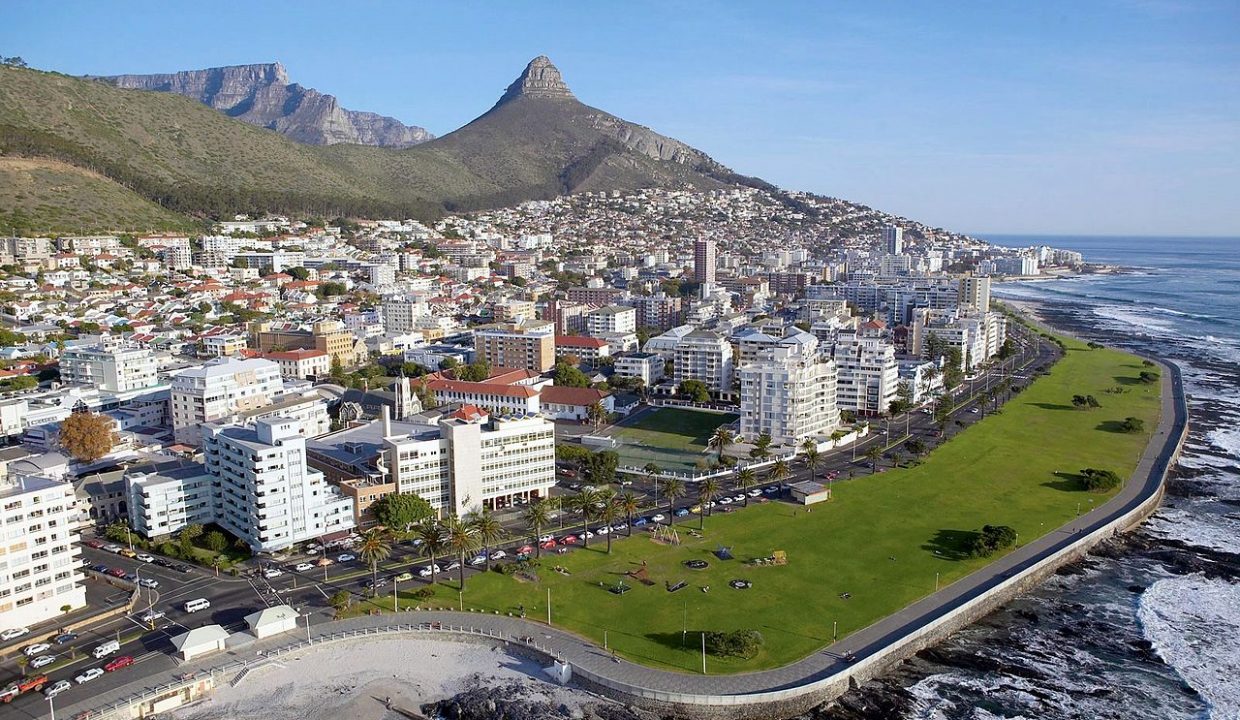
<point>539,79</point>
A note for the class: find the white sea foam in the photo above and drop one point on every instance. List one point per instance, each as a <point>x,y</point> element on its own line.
<point>1130,318</point>
<point>1199,528</point>
<point>1226,438</point>
<point>1193,624</point>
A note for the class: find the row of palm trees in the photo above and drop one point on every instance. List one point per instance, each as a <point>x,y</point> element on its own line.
<point>453,536</point>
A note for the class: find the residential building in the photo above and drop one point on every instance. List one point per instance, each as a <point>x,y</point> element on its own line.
<point>330,336</point>
<point>302,364</point>
<point>111,365</point>
<point>223,345</point>
<point>39,574</point>
<point>648,367</point>
<point>528,344</point>
<point>163,501</point>
<point>704,260</point>
<point>498,398</point>
<point>659,311</point>
<point>267,495</point>
<point>893,239</point>
<point>597,296</point>
<point>867,372</point>
<point>401,314</point>
<point>789,392</point>
<point>975,292</point>
<point>214,391</point>
<point>28,249</point>
<point>612,319</point>
<point>588,350</point>
<point>514,311</point>
<point>705,356</point>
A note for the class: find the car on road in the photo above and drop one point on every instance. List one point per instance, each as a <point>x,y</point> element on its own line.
<point>148,582</point>
<point>569,540</point>
<point>145,557</point>
<point>477,560</point>
<point>36,649</point>
<point>545,538</point>
<point>725,501</point>
<point>428,571</point>
<point>303,566</point>
<point>126,552</point>
<point>123,661</point>
<point>42,661</point>
<point>454,565</point>
<point>57,689</point>
<point>603,530</point>
<point>403,577</point>
<point>88,675</point>
<point>658,518</point>
<point>96,544</point>
<point>151,616</point>
<point>13,633</point>
<point>770,489</point>
<point>272,572</point>
<point>548,545</point>
<point>499,555</point>
<point>117,572</point>
<point>21,687</point>
<point>739,497</point>
<point>100,568</point>
<point>974,410</point>
<point>640,522</point>
<point>113,548</point>
<point>65,638</point>
<point>312,550</point>
<point>346,557</point>
<point>681,512</point>
<point>371,584</point>
<point>754,493</point>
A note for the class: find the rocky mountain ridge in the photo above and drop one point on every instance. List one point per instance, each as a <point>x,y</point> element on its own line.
<point>262,95</point>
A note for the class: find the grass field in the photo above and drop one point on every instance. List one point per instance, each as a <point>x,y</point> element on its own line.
<point>882,538</point>
<point>672,438</point>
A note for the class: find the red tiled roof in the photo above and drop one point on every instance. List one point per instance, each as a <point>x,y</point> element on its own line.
<point>460,386</point>
<point>469,412</point>
<point>580,341</point>
<point>571,395</point>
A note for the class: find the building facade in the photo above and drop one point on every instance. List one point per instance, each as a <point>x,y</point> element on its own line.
<point>789,393</point>
<point>527,344</point>
<point>39,572</point>
<point>111,365</point>
<point>868,374</point>
<point>214,391</point>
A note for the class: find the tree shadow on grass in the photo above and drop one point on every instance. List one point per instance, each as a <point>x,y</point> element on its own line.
<point>1114,426</point>
<point>951,544</point>
<point>1052,406</point>
<point>1066,482</point>
<point>690,640</point>
<point>1124,380</point>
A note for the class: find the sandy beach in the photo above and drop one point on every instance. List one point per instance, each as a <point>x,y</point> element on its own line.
<point>356,680</point>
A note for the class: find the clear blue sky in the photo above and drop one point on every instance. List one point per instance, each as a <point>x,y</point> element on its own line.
<point>1087,116</point>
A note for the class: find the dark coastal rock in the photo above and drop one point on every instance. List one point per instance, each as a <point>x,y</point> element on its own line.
<point>514,701</point>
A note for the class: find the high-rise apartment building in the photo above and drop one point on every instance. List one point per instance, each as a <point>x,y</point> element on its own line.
<point>214,391</point>
<point>705,356</point>
<point>867,372</point>
<point>789,392</point>
<point>612,319</point>
<point>527,344</point>
<point>111,365</point>
<point>401,314</point>
<point>893,239</point>
<point>704,252</point>
<point>266,494</point>
<point>975,292</point>
<point>39,556</point>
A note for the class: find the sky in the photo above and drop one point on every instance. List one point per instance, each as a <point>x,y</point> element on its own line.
<point>1081,117</point>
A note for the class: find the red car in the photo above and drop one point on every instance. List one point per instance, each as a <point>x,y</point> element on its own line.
<point>123,661</point>
<point>569,540</point>
<point>117,572</point>
<point>547,545</point>
<point>94,543</point>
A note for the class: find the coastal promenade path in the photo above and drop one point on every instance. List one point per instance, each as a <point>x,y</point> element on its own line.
<point>620,674</point>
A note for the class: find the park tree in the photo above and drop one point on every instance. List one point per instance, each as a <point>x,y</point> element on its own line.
<point>720,440</point>
<point>566,374</point>
<point>87,436</point>
<point>215,541</point>
<point>477,371</point>
<point>376,546</point>
<point>674,489</point>
<point>401,511</point>
<point>1097,479</point>
<point>695,390</point>
<point>596,414</point>
<point>340,601</point>
<point>990,540</point>
<point>188,535</point>
<point>1132,425</point>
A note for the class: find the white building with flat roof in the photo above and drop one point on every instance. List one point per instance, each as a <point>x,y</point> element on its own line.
<point>789,392</point>
<point>39,556</point>
<point>111,365</point>
<point>267,494</point>
<point>161,503</point>
<point>868,374</point>
<point>705,356</point>
<point>612,319</point>
<point>214,391</point>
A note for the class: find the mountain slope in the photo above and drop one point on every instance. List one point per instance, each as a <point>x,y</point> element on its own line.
<point>537,142</point>
<point>262,95</point>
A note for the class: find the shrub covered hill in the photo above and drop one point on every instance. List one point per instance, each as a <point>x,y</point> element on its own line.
<point>537,142</point>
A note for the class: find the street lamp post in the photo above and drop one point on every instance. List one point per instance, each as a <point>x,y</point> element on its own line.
<point>307,617</point>
<point>51,706</point>
<point>548,607</point>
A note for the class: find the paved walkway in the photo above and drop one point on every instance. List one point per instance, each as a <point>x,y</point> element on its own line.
<point>1145,482</point>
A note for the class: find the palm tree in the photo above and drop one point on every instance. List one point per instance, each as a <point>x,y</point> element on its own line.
<point>375,548</point>
<point>873,454</point>
<point>745,479</point>
<point>608,513</point>
<point>707,490</point>
<point>461,538</point>
<point>810,449</point>
<point>537,515</point>
<point>586,503</point>
<point>629,505</point>
<point>431,536</point>
<point>780,470</point>
<point>674,488</point>
<point>652,471</point>
<point>720,441</point>
<point>489,531</point>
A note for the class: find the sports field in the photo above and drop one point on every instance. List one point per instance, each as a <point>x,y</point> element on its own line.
<point>672,438</point>
<point>882,539</point>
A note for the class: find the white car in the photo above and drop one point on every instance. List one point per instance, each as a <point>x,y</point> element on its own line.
<point>603,530</point>
<point>58,688</point>
<point>36,649</point>
<point>272,572</point>
<point>499,555</point>
<point>346,557</point>
<point>725,501</point>
<point>148,583</point>
<point>587,535</point>
<point>454,565</point>
<point>478,560</point>
<point>145,557</point>
<point>151,616</point>
<point>618,528</point>
<point>303,567</point>
<point>42,661</point>
<point>545,538</point>
<point>428,571</point>
<point>755,493</point>
<point>13,633</point>
<point>312,550</point>
<point>739,497</point>
<point>660,517</point>
<point>113,548</point>
<point>87,676</point>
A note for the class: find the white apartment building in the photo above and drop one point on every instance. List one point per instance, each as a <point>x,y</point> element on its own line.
<point>111,365</point>
<point>27,249</point>
<point>612,319</point>
<point>267,494</point>
<point>467,459</point>
<point>868,374</point>
<point>308,408</point>
<point>223,345</point>
<point>704,355</point>
<point>302,363</point>
<point>39,556</point>
<point>975,292</point>
<point>648,367</point>
<point>161,503</point>
<point>790,393</point>
<point>216,390</point>
<point>978,337</point>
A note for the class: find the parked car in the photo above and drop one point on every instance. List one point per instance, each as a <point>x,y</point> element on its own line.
<point>428,571</point>
<point>739,497</point>
<point>754,493</point>
<point>569,540</point>
<point>547,545</point>
<point>13,633</point>
<point>681,512</point>
<point>145,557</point>
<point>725,501</point>
<point>126,552</point>
<point>403,577</point>
<point>88,675</point>
<point>659,517</point>
<point>499,555</point>
<point>148,583</point>
<point>100,568</point>
<point>65,638</point>
<point>545,538</point>
<point>272,572</point>
<point>123,661</point>
<point>42,661</point>
<point>454,565</point>
<point>151,616</point>
<point>346,557</point>
<point>641,522</point>
<point>96,544</point>
<point>621,526</point>
<point>304,567</point>
<point>113,548</point>
<point>36,649</point>
<point>603,530</point>
<point>117,572</point>
<point>478,560</point>
<point>770,489</point>
<point>86,562</point>
<point>57,689</point>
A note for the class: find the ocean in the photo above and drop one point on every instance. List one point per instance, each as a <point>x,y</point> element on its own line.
<point>1149,626</point>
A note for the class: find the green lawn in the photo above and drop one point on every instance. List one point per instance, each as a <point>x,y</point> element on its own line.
<point>672,438</point>
<point>877,539</point>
